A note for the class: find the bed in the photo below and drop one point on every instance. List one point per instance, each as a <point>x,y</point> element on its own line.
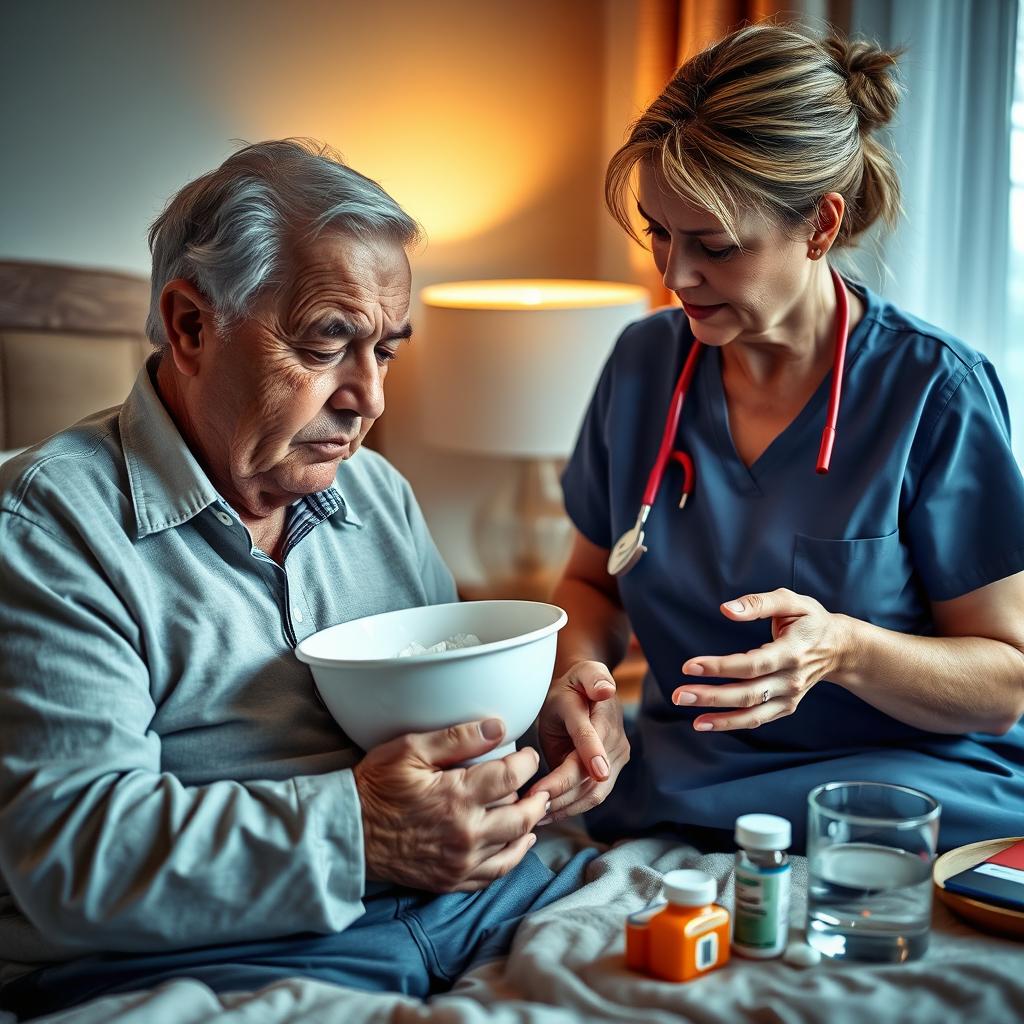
<point>566,964</point>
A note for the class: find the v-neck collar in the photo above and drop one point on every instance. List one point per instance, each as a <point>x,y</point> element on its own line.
<point>795,441</point>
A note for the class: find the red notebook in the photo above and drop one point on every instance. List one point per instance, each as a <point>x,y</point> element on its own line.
<point>998,880</point>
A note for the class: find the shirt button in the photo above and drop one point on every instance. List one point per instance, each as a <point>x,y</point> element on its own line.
<point>297,614</point>
<point>224,518</point>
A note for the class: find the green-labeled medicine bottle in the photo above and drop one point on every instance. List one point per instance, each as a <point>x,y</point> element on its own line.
<point>763,872</point>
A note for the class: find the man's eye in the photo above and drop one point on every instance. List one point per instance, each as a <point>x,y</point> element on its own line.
<point>322,358</point>
<point>385,355</point>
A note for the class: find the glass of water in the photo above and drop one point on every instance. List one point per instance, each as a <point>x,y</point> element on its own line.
<point>870,847</point>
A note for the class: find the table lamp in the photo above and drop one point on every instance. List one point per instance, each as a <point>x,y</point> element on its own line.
<point>509,368</point>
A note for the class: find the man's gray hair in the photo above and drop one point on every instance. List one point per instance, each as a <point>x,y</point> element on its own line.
<point>228,231</point>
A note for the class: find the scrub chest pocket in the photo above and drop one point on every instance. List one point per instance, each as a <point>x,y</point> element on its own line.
<point>869,578</point>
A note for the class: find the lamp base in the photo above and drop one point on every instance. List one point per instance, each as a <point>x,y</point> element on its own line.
<point>522,535</point>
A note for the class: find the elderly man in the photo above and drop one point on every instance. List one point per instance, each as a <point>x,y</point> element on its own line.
<point>173,799</point>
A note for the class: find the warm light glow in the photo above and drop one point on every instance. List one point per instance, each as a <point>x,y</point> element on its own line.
<point>531,294</point>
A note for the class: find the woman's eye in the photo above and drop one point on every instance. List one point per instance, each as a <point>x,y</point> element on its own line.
<point>719,254</point>
<point>655,231</point>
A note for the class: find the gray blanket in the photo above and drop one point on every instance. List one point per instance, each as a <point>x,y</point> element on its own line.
<point>566,964</point>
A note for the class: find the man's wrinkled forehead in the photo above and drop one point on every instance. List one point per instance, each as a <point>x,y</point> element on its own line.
<point>348,279</point>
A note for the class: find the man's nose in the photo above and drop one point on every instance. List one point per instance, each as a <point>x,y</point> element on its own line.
<point>680,269</point>
<point>361,387</point>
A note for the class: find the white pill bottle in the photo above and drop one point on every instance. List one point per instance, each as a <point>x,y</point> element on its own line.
<point>761,914</point>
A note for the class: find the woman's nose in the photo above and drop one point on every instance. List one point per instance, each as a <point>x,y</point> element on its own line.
<point>680,270</point>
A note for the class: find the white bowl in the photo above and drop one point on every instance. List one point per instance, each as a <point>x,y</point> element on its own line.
<point>375,696</point>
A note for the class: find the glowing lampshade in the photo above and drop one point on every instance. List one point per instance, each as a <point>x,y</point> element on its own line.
<point>508,370</point>
<point>509,366</point>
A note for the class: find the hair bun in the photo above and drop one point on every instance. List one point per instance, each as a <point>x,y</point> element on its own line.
<point>870,74</point>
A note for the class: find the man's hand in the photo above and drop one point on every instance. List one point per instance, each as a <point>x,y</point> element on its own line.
<point>581,734</point>
<point>807,645</point>
<point>429,826</point>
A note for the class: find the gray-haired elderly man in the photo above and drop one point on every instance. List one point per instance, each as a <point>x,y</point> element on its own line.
<point>173,799</point>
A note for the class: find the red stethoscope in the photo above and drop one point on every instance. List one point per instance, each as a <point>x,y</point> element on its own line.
<point>630,546</point>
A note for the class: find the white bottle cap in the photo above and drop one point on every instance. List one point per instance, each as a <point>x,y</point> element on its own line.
<point>690,888</point>
<point>763,832</point>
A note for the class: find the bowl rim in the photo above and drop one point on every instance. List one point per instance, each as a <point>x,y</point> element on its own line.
<point>416,659</point>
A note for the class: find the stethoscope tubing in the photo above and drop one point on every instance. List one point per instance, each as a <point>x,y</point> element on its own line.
<point>682,387</point>
<point>672,423</point>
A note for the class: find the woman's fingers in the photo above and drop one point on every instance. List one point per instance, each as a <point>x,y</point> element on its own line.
<point>595,682</point>
<point>751,718</point>
<point>730,695</point>
<point>772,657</point>
<point>562,780</point>
<point>750,706</point>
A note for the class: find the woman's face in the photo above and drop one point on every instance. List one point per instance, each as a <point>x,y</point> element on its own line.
<point>728,293</point>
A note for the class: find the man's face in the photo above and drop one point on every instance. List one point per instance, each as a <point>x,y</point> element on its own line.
<point>288,393</point>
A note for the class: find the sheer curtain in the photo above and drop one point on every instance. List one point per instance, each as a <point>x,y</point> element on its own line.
<point>949,261</point>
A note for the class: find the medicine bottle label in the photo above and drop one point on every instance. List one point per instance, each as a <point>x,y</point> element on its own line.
<point>762,908</point>
<point>706,953</point>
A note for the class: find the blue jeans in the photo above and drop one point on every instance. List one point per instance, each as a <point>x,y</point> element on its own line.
<point>407,941</point>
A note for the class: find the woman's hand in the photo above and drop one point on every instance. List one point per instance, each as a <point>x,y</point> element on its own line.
<point>581,734</point>
<point>808,644</point>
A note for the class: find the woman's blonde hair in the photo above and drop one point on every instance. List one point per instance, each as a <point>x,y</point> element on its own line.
<point>769,119</point>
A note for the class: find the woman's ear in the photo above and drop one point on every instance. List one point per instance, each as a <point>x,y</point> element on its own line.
<point>827,221</point>
<point>188,323</point>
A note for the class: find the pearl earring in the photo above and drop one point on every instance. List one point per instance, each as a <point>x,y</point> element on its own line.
<point>815,253</point>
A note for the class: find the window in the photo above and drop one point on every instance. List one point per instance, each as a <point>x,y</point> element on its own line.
<point>1012,369</point>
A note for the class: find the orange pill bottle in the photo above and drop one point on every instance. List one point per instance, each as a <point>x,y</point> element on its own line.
<point>684,938</point>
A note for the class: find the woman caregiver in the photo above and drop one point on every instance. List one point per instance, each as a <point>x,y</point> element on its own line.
<point>801,626</point>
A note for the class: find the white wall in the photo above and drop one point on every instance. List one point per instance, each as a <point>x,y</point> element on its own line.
<point>483,118</point>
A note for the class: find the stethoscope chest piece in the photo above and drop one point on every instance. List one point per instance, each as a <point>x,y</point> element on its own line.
<point>630,546</point>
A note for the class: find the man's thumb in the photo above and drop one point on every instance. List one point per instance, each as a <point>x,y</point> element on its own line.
<point>459,743</point>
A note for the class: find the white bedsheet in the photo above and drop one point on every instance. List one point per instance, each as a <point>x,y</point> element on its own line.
<point>566,965</point>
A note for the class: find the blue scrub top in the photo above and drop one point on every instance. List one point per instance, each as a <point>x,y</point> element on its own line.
<point>924,502</point>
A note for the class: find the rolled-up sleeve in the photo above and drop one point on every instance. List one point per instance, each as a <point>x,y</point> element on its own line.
<point>100,848</point>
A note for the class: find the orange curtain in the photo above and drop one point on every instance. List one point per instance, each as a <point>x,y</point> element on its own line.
<point>670,31</point>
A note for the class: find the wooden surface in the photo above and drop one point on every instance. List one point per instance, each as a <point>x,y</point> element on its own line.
<point>984,915</point>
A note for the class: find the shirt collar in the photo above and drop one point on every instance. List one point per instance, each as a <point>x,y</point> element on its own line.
<point>168,486</point>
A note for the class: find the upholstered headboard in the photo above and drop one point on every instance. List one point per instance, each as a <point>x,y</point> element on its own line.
<point>71,342</point>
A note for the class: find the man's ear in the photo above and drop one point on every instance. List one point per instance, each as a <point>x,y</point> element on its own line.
<point>188,323</point>
<point>827,221</point>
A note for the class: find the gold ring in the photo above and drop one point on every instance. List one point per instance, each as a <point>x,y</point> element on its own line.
<point>764,697</point>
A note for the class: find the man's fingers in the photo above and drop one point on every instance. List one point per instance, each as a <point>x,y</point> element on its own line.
<point>499,864</point>
<point>508,823</point>
<point>491,781</point>
<point>457,743</point>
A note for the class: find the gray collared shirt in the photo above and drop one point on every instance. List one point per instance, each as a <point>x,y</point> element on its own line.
<point>168,777</point>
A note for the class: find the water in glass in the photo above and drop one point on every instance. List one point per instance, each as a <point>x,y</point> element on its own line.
<point>869,902</point>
